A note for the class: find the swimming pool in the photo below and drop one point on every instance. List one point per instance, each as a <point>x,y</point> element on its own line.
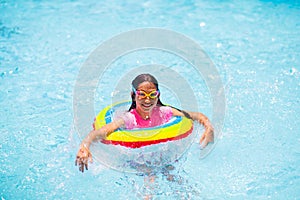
<point>254,45</point>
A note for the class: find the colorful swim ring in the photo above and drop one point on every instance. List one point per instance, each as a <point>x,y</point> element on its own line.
<point>176,129</point>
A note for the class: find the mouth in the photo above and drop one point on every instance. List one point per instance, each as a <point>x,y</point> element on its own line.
<point>147,106</point>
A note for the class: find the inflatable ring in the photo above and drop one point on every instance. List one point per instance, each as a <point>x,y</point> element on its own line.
<point>177,128</point>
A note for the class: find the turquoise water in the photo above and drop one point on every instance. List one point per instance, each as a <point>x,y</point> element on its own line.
<point>254,45</point>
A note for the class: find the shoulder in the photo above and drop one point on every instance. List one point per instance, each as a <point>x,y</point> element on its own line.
<point>129,119</point>
<point>164,108</point>
<point>124,116</point>
<point>128,115</point>
<point>177,112</point>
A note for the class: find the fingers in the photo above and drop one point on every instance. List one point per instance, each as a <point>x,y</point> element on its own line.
<point>83,157</point>
<point>82,163</point>
<point>90,158</point>
<point>202,138</point>
<point>205,139</point>
<point>85,164</point>
<point>204,144</point>
<point>81,168</point>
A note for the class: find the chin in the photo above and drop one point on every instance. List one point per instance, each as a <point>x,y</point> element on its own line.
<point>147,109</point>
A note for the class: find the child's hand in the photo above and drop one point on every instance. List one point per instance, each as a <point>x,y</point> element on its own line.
<point>207,136</point>
<point>83,157</point>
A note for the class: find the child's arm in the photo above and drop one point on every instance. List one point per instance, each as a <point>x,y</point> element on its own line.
<point>84,155</point>
<point>208,135</point>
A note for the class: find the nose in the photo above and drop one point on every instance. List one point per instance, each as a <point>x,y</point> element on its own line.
<point>147,99</point>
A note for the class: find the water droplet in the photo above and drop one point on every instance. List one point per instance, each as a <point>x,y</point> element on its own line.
<point>293,71</point>
<point>202,24</point>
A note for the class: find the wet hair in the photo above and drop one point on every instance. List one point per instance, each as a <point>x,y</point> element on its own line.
<point>148,78</point>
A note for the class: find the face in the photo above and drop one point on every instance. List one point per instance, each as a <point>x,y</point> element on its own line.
<point>144,104</point>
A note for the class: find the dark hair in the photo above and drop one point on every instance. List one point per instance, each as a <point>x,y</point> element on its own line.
<point>148,78</point>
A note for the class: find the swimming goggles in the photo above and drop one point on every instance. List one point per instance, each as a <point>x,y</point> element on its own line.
<point>142,95</point>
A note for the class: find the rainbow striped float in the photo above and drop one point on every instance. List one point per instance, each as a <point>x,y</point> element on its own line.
<point>176,129</point>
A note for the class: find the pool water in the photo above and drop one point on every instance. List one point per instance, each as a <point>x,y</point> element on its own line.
<point>254,45</point>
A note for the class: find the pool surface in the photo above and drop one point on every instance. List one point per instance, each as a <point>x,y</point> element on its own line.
<point>254,45</point>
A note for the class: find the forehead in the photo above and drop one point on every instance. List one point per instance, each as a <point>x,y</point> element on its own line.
<point>146,86</point>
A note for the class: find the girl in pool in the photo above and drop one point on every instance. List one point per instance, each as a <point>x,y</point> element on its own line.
<point>146,110</point>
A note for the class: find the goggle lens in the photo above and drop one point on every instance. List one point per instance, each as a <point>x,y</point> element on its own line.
<point>143,94</point>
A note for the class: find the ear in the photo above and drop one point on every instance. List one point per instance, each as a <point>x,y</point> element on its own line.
<point>132,96</point>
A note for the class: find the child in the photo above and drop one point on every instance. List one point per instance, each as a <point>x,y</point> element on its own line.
<point>146,110</point>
